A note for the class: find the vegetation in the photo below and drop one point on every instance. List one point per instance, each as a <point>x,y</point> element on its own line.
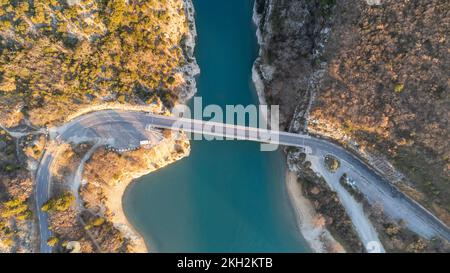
<point>397,238</point>
<point>60,204</point>
<point>125,51</point>
<point>9,163</point>
<point>345,182</point>
<point>6,234</point>
<point>332,163</point>
<point>95,222</point>
<point>53,241</point>
<point>57,57</point>
<point>326,203</point>
<point>16,208</point>
<point>15,190</point>
<point>326,7</point>
<point>399,88</point>
<point>391,74</point>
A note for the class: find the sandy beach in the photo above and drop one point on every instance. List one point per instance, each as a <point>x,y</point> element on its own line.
<point>311,225</point>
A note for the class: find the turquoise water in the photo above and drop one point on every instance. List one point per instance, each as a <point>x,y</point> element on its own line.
<point>227,196</point>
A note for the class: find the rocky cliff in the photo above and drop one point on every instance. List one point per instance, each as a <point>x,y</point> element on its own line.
<point>386,87</point>
<point>371,75</point>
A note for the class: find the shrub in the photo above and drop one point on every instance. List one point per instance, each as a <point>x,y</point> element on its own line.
<point>17,208</point>
<point>52,241</point>
<point>95,223</point>
<point>98,221</point>
<point>399,88</point>
<point>61,203</point>
<point>332,163</point>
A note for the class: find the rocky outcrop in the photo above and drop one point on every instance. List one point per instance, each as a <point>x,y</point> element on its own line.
<point>109,55</point>
<point>386,88</point>
<point>128,52</point>
<point>292,36</point>
<point>288,71</point>
<point>368,74</point>
<point>191,68</point>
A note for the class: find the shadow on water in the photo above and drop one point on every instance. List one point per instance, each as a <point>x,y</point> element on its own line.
<point>227,196</point>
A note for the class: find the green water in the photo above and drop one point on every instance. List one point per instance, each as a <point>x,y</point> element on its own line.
<point>227,196</point>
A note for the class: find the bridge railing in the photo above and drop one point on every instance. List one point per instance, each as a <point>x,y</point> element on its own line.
<point>228,131</point>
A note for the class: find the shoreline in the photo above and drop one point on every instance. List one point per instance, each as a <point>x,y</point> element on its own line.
<point>191,70</point>
<point>113,203</point>
<point>135,236</point>
<point>256,73</point>
<point>316,235</point>
<point>318,238</point>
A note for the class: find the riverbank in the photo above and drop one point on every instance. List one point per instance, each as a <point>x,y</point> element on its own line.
<point>102,192</point>
<point>109,174</point>
<point>318,237</point>
<point>191,68</point>
<point>303,73</point>
<point>115,194</point>
<point>311,225</point>
<point>227,196</point>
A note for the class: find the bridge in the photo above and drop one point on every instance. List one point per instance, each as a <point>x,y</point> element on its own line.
<point>226,131</point>
<point>126,129</point>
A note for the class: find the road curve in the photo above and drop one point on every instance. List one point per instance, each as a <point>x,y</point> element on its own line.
<point>126,129</point>
<point>42,195</point>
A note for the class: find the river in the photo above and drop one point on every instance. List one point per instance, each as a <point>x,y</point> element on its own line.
<point>227,196</point>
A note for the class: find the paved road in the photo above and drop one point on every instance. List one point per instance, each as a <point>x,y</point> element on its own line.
<point>42,195</point>
<point>374,186</point>
<point>126,129</point>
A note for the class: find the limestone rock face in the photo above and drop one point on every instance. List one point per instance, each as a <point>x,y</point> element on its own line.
<point>370,74</point>
<point>292,35</point>
<point>387,87</point>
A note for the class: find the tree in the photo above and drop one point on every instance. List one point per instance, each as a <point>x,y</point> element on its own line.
<point>61,203</point>
<point>332,163</point>
<point>17,208</point>
<point>52,241</point>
